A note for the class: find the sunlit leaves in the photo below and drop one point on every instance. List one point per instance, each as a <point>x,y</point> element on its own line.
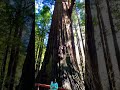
<point>80,5</point>
<point>42,26</point>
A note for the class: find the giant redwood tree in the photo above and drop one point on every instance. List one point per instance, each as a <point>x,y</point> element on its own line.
<point>60,59</point>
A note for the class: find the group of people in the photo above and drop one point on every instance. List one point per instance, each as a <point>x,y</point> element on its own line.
<point>54,85</point>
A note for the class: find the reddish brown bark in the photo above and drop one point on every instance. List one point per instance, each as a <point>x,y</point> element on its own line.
<point>60,61</point>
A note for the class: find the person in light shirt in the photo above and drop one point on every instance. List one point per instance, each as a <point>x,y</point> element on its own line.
<point>54,85</point>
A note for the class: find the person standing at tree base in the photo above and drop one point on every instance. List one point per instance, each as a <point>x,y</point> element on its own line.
<point>54,85</point>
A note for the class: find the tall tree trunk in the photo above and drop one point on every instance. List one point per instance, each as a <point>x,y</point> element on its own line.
<point>105,41</point>
<point>27,77</point>
<point>117,50</point>
<point>79,55</point>
<point>5,59</point>
<point>14,54</point>
<point>12,79</point>
<point>105,48</point>
<point>6,49</point>
<point>60,59</point>
<point>94,83</point>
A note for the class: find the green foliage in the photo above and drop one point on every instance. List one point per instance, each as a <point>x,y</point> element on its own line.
<point>42,25</point>
<point>78,15</point>
<point>80,5</point>
<point>80,9</point>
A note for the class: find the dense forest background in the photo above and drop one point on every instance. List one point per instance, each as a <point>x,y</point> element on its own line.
<point>75,41</point>
<point>16,41</point>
